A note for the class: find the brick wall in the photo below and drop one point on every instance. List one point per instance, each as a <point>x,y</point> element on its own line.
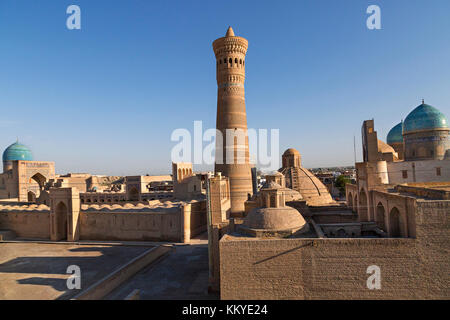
<point>131,226</point>
<point>336,268</point>
<point>27,224</point>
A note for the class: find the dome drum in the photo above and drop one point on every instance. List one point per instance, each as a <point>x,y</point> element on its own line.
<point>425,134</point>
<point>274,222</point>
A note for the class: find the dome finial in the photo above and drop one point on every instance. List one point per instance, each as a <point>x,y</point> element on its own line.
<point>423,100</point>
<point>230,32</point>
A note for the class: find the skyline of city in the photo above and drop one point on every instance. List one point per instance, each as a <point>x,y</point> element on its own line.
<point>223,155</point>
<point>87,101</point>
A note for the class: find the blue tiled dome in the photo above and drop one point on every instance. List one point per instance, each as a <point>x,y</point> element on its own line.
<point>424,117</point>
<point>395,135</point>
<point>17,151</point>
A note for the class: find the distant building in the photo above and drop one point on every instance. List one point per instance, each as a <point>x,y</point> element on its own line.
<point>23,178</point>
<point>302,180</point>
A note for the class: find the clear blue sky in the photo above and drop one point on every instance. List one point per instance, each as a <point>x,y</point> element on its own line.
<point>105,99</point>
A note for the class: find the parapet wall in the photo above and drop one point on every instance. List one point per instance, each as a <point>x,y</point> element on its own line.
<point>411,268</point>
<point>155,226</point>
<point>328,269</point>
<point>173,222</point>
<point>335,217</point>
<point>426,191</point>
<point>33,224</point>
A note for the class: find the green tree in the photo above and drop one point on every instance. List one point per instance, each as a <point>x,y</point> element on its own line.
<point>340,183</point>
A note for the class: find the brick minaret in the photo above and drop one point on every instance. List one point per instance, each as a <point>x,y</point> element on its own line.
<point>230,67</point>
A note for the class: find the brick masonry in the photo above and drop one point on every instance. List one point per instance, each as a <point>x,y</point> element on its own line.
<point>411,268</point>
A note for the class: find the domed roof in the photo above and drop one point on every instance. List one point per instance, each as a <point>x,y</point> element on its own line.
<point>424,117</point>
<point>275,173</point>
<point>385,148</point>
<point>290,151</point>
<point>395,135</point>
<point>274,219</point>
<point>17,151</point>
<point>309,186</point>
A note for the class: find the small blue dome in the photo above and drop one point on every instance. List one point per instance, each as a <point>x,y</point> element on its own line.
<point>17,151</point>
<point>425,117</point>
<point>395,135</point>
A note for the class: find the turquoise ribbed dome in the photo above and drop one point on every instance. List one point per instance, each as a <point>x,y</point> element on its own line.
<point>424,117</point>
<point>395,135</point>
<point>17,151</point>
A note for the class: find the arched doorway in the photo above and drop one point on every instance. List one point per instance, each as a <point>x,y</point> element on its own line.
<point>36,184</point>
<point>350,201</point>
<point>362,208</point>
<point>341,233</point>
<point>134,194</point>
<point>394,222</point>
<point>380,216</point>
<point>31,196</point>
<point>61,221</point>
<point>40,179</point>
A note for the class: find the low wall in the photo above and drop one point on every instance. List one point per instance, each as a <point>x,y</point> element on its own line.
<point>335,217</point>
<point>106,285</point>
<point>27,224</point>
<point>154,226</point>
<point>172,224</point>
<point>425,192</point>
<point>327,269</point>
<point>411,268</point>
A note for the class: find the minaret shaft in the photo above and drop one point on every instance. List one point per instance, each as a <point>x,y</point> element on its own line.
<point>232,156</point>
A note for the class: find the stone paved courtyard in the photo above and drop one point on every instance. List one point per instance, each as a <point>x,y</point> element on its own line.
<point>31,270</point>
<point>182,274</point>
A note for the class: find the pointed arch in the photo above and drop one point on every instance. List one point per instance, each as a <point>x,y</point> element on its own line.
<point>134,194</point>
<point>363,206</point>
<point>61,220</point>
<point>394,223</point>
<point>380,216</point>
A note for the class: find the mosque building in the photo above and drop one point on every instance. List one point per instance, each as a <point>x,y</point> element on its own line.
<point>23,178</point>
<point>426,134</point>
<point>417,149</point>
<point>294,242</point>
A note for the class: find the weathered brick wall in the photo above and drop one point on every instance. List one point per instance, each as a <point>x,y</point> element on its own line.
<point>336,268</point>
<point>155,226</point>
<point>432,219</point>
<point>27,224</point>
<point>198,218</point>
<point>335,218</point>
<point>131,226</point>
